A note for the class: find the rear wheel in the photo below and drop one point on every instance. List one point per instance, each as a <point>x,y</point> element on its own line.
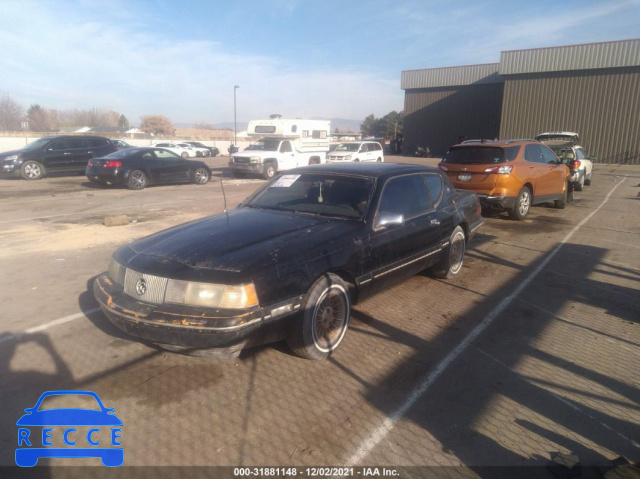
<point>581,182</point>
<point>565,198</point>
<point>587,180</point>
<point>523,203</point>
<point>379,160</point>
<point>137,180</point>
<point>201,176</point>
<point>451,262</point>
<point>32,170</point>
<point>324,321</point>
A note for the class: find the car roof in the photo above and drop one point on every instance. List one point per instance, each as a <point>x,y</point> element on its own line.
<point>494,143</point>
<point>372,170</point>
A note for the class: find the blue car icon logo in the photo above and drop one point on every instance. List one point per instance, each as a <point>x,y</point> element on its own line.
<point>80,432</point>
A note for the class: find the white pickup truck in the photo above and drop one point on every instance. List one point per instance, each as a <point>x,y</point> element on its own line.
<point>284,144</point>
<point>565,145</point>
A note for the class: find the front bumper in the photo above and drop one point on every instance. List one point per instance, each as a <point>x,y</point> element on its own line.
<point>193,328</point>
<point>247,167</point>
<point>10,169</point>
<point>112,175</point>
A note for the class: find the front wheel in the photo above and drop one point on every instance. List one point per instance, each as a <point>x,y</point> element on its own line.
<point>137,180</point>
<point>523,202</point>
<point>184,155</point>
<point>451,262</point>
<point>325,318</point>
<point>269,171</point>
<point>32,170</point>
<point>201,176</point>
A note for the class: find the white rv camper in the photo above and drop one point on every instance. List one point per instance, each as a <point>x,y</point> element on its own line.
<point>283,144</point>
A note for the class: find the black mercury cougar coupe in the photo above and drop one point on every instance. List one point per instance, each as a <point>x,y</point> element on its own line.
<point>290,260</point>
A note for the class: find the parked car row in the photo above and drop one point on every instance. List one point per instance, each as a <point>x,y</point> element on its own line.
<point>71,154</point>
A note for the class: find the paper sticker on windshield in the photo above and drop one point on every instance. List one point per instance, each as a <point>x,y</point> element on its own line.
<point>285,181</point>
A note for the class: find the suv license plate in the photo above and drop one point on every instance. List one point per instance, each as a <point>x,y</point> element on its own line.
<point>464,177</point>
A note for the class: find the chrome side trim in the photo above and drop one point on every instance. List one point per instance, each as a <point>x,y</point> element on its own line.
<point>406,264</point>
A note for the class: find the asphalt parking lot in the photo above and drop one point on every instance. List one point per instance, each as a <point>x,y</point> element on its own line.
<point>533,350</point>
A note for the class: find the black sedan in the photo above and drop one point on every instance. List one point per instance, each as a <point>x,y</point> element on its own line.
<point>139,167</point>
<point>290,260</point>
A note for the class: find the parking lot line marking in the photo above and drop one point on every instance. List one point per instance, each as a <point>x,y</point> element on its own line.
<point>390,421</point>
<point>50,324</point>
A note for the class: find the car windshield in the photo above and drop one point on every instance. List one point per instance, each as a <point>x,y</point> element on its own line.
<point>264,145</point>
<point>123,153</point>
<point>34,145</point>
<point>320,194</point>
<point>481,155</point>
<point>348,147</point>
<point>68,401</point>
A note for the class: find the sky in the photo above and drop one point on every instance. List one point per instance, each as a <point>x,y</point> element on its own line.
<point>297,58</point>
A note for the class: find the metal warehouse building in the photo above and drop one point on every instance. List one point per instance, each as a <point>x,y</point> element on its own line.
<point>592,89</point>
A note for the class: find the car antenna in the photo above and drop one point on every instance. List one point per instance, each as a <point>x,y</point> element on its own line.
<point>224,196</point>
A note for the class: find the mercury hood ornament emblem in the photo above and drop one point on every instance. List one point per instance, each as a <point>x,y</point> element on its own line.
<point>141,286</point>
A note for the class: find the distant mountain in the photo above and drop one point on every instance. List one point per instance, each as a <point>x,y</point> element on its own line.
<point>340,123</point>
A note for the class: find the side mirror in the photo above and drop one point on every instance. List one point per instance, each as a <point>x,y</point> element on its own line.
<point>387,219</point>
<point>592,158</point>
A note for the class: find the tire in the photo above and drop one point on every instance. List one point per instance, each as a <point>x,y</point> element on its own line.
<point>357,160</point>
<point>587,180</point>
<point>522,206</point>
<point>314,161</point>
<point>137,180</point>
<point>269,170</point>
<point>184,155</point>
<point>379,160</point>
<point>201,176</point>
<point>239,174</point>
<point>325,319</point>
<point>565,199</point>
<point>580,185</point>
<point>207,153</point>
<point>32,170</point>
<point>198,154</point>
<point>451,262</point>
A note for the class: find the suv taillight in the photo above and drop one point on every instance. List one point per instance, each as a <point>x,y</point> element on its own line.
<point>575,164</point>
<point>112,164</point>
<point>442,167</point>
<point>500,170</point>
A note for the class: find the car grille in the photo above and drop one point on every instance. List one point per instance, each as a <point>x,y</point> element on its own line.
<point>240,159</point>
<point>145,287</point>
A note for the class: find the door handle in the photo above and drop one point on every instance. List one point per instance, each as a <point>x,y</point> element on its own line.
<point>67,153</point>
<point>435,222</point>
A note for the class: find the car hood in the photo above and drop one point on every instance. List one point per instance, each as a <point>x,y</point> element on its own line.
<point>5,154</point>
<point>342,153</point>
<point>243,241</point>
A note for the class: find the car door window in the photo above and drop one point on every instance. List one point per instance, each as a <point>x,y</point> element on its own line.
<point>548,156</point>
<point>434,188</point>
<point>78,143</point>
<point>580,154</point>
<point>406,195</point>
<point>166,155</point>
<point>533,154</point>
<point>59,145</point>
<point>285,147</point>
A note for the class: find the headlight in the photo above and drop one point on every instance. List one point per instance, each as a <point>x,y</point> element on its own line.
<point>348,157</point>
<point>211,295</point>
<point>255,159</point>
<point>116,272</point>
<point>11,158</point>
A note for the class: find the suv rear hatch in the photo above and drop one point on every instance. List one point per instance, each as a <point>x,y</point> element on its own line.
<point>478,167</point>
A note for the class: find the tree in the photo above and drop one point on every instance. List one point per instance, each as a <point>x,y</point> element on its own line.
<point>11,113</point>
<point>156,124</point>
<point>389,126</point>
<point>39,119</point>
<point>123,123</point>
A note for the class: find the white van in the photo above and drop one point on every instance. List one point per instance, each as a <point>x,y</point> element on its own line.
<point>357,151</point>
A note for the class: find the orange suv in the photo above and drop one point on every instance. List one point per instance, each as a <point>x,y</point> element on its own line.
<point>509,175</point>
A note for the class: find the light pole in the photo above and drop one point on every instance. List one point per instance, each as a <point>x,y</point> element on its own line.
<point>235,140</point>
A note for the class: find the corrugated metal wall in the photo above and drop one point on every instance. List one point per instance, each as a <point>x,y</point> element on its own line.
<point>437,117</point>
<point>450,76</point>
<point>603,106</point>
<point>591,56</point>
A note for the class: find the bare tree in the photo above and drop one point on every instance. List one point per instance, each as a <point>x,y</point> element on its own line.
<point>11,113</point>
<point>156,124</point>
